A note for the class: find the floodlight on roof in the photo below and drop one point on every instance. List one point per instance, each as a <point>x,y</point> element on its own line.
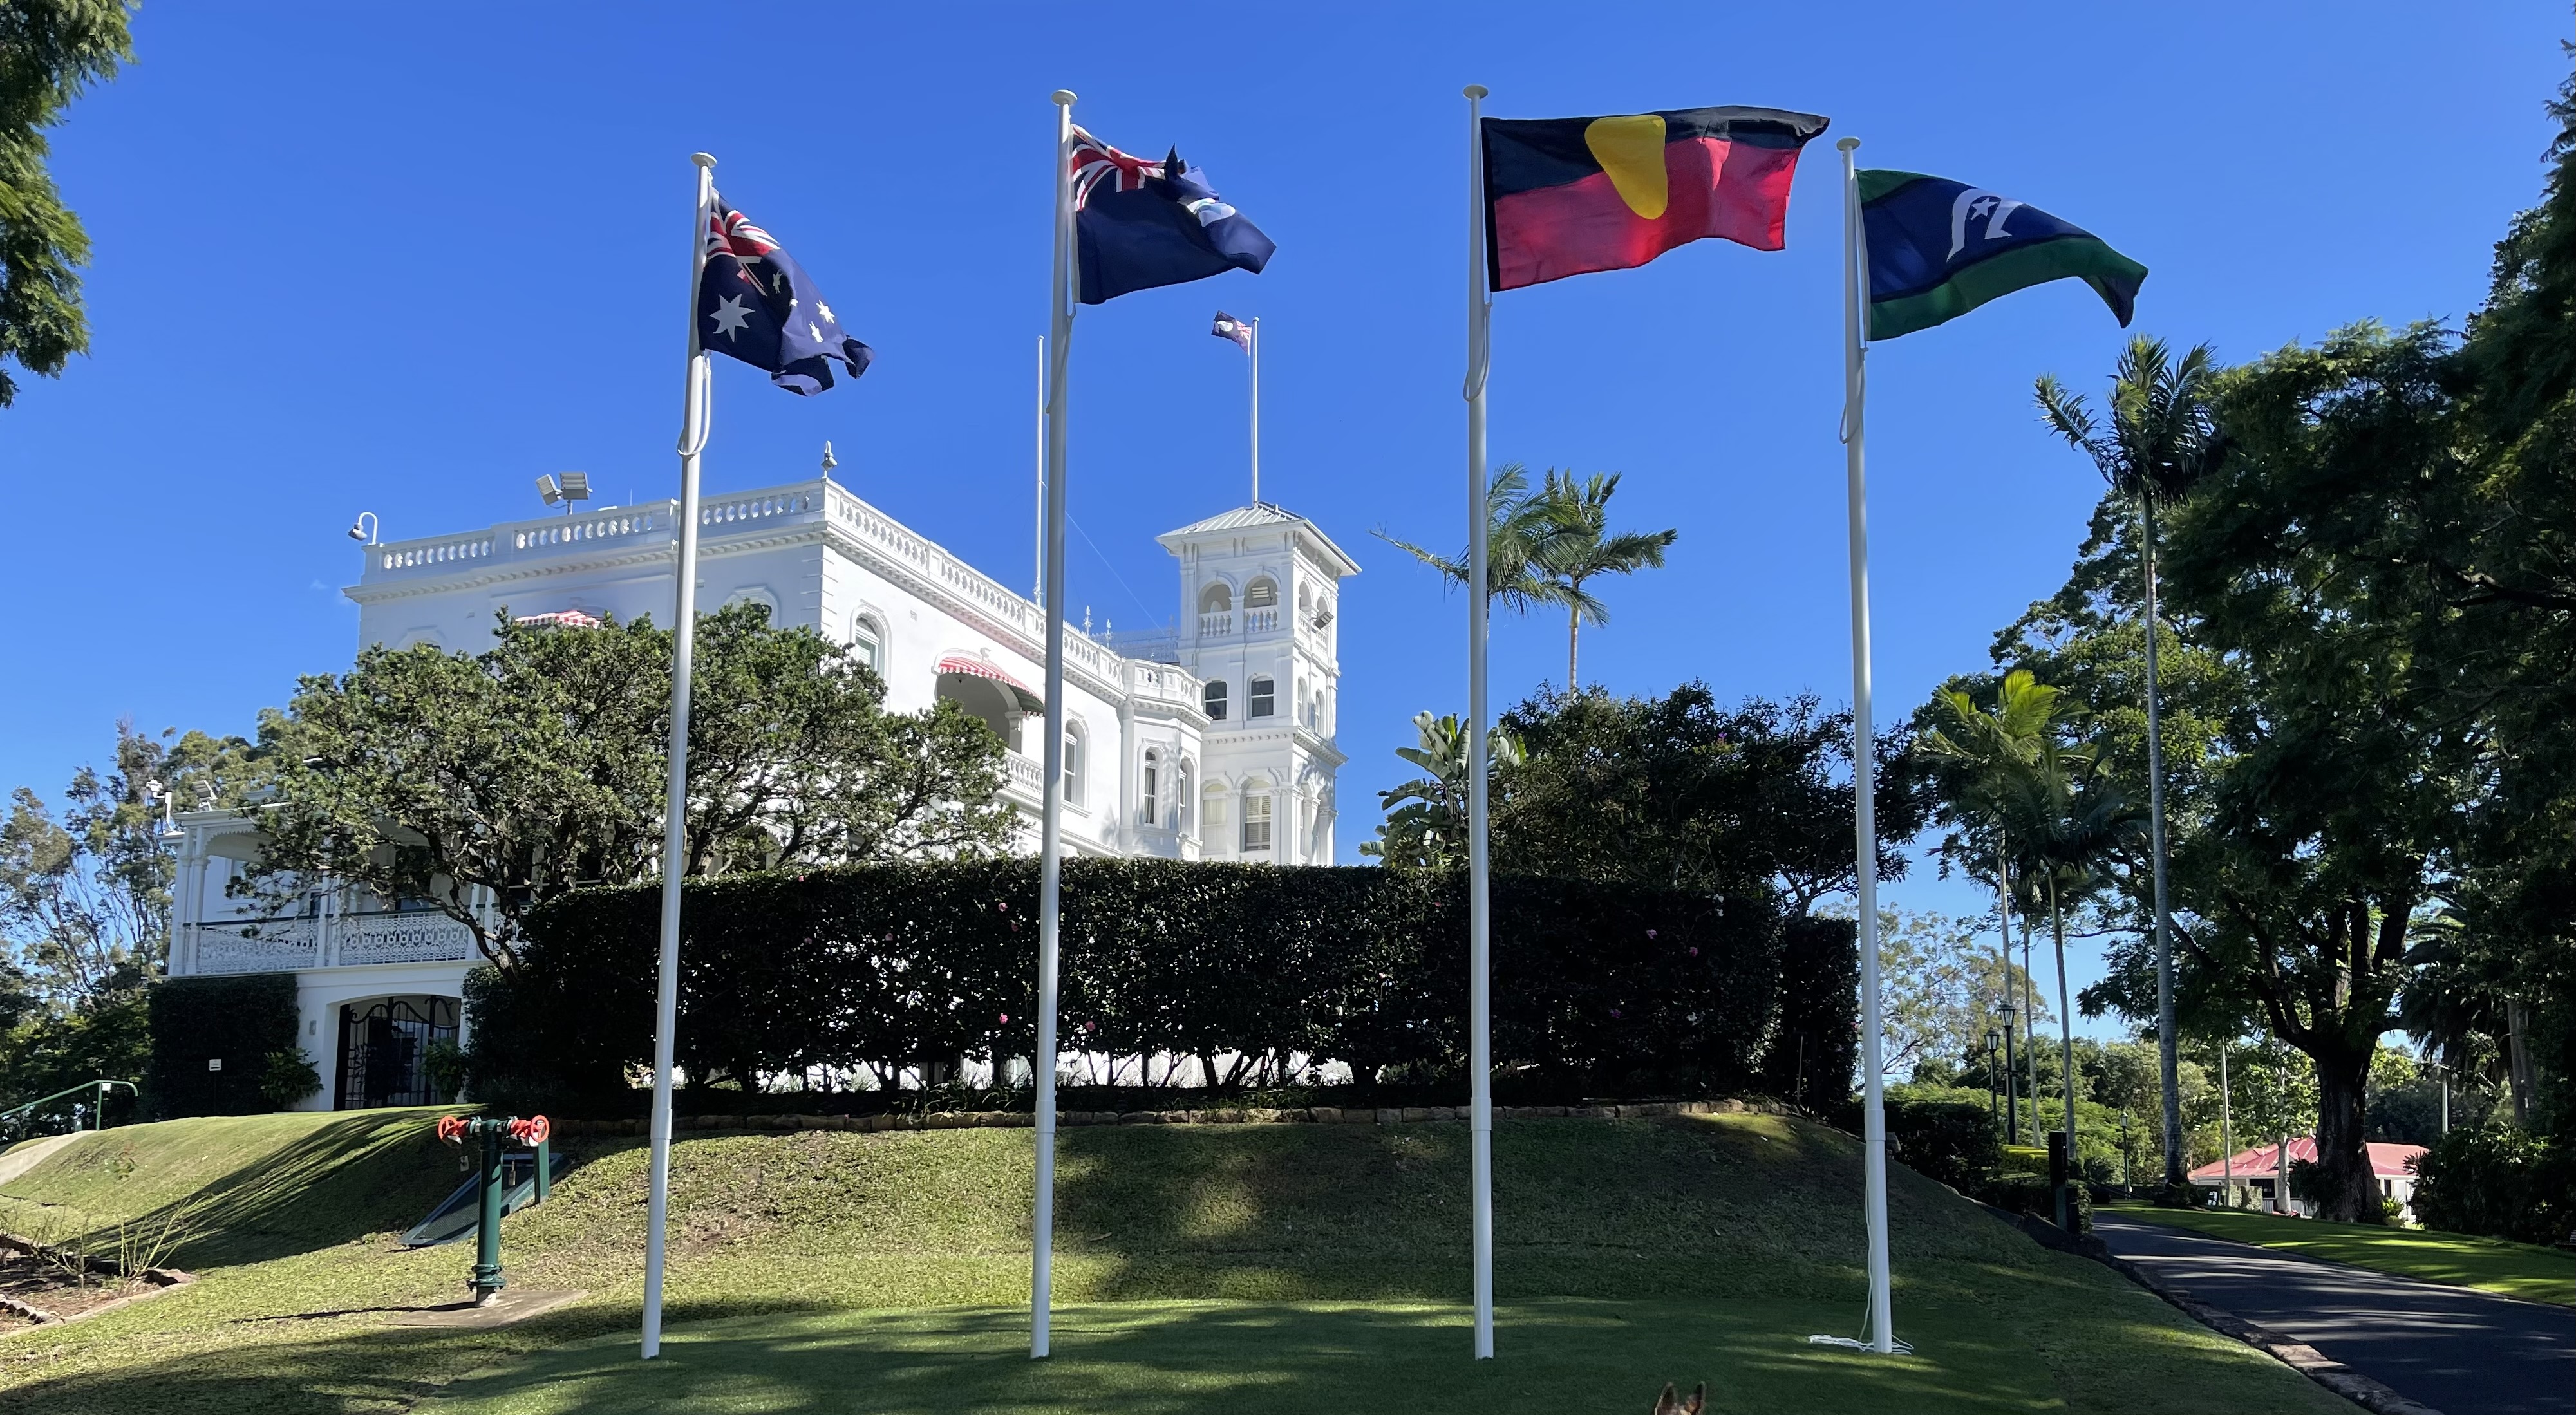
<point>576,486</point>
<point>552,493</point>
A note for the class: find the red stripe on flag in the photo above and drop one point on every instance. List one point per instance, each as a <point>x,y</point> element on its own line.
<point>1735,191</point>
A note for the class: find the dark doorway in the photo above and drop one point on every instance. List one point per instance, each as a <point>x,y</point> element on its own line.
<point>383,1046</point>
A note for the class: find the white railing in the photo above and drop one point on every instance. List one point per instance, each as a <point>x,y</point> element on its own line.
<point>758,506</point>
<point>1260,621</point>
<point>575,530</point>
<point>1217,625</point>
<point>434,552</point>
<point>1024,772</point>
<point>259,946</point>
<point>399,938</point>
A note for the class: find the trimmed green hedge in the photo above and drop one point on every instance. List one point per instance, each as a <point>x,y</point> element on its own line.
<point>1599,989</point>
<point>1815,1052</point>
<point>238,1021</point>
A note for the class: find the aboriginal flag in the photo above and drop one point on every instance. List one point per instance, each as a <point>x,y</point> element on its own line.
<point>1568,196</point>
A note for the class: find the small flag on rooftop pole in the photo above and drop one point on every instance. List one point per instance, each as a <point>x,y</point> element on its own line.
<point>1238,330</point>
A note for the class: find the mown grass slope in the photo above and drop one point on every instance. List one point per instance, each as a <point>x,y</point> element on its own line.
<point>1746,1225</point>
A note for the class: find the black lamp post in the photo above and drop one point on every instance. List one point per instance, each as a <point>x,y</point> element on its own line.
<point>2012,1097</point>
<point>1994,1097</point>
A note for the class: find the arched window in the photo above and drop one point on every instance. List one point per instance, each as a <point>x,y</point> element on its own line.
<point>1213,697</point>
<point>1262,593</point>
<point>1216,599</point>
<point>1256,697</point>
<point>1256,816</point>
<point>867,643</point>
<point>1151,814</point>
<point>1212,807</point>
<point>1073,764</point>
<point>1181,799</point>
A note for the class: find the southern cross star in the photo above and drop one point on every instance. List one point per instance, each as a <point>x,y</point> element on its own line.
<point>731,316</point>
<point>824,310</point>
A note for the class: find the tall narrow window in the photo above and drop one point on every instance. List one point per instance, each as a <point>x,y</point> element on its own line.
<point>867,643</point>
<point>1151,814</point>
<point>1256,698</point>
<point>1256,816</point>
<point>1181,799</point>
<point>1214,697</point>
<point>1212,810</point>
<point>1073,766</point>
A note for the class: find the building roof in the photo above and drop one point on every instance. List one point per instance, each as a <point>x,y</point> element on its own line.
<point>1254,517</point>
<point>2387,1161</point>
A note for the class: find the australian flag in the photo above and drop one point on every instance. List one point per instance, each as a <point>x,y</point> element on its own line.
<point>1142,224</point>
<point>757,304</point>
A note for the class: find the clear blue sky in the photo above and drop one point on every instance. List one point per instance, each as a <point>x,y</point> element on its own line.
<point>355,258</point>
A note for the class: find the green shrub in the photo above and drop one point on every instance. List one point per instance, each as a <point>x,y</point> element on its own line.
<point>1599,988</point>
<point>2024,1159</point>
<point>237,1021</point>
<point>2499,1181</point>
<point>1951,1141</point>
<point>1815,1051</point>
<point>287,1076</point>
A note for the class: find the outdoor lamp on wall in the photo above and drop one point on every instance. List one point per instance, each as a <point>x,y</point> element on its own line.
<point>363,529</point>
<point>575,486</point>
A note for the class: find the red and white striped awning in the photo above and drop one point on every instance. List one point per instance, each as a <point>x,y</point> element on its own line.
<point>561,618</point>
<point>974,667</point>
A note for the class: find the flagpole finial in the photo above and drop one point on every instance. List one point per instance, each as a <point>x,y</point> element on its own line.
<point>1064,98</point>
<point>1475,90</point>
<point>1846,144</point>
<point>703,159</point>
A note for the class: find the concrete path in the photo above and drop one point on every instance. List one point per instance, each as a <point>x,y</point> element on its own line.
<point>21,1157</point>
<point>2460,1351</point>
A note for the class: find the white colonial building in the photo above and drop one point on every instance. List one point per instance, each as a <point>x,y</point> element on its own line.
<point>1212,739</point>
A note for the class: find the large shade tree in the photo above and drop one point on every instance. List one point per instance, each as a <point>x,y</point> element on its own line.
<point>50,50</point>
<point>485,784</point>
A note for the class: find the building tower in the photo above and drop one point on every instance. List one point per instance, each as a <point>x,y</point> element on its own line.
<point>1260,600</point>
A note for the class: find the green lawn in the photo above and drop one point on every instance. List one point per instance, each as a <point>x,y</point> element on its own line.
<point>2522,1270</point>
<point>1269,1268</point>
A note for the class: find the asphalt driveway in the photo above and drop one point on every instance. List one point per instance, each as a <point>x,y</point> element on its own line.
<point>2460,1351</point>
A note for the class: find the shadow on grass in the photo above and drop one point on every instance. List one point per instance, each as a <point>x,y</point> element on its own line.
<point>1307,1359</point>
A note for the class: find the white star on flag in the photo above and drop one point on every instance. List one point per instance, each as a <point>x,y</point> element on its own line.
<point>826,311</point>
<point>731,316</point>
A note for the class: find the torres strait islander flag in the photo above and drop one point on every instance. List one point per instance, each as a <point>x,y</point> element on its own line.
<point>1568,196</point>
<point>1938,249</point>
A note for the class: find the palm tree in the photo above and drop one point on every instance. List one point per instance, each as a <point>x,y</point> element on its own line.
<point>1426,821</point>
<point>1990,754</point>
<point>1516,525</point>
<point>1579,547</point>
<point>2162,438</point>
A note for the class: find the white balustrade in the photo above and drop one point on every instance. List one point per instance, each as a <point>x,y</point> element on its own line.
<point>1216,626</point>
<point>1260,621</point>
<point>628,521</point>
<point>438,552</point>
<point>258,946</point>
<point>400,938</point>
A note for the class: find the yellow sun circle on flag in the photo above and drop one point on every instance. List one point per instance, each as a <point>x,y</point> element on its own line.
<point>1631,150</point>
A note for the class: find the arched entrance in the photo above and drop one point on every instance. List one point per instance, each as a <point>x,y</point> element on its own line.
<point>384,1044</point>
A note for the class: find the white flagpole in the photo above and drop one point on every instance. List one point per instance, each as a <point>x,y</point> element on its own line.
<point>1038,579</point>
<point>1253,347</point>
<point>1051,828</point>
<point>1882,1336</point>
<point>1480,1133</point>
<point>675,800</point>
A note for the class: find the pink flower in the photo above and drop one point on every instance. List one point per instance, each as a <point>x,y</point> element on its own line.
<point>1694,950</point>
<point>1001,908</point>
<point>1006,1019</point>
<point>1650,933</point>
<point>1614,1012</point>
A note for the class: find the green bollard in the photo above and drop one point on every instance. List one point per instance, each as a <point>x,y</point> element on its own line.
<point>487,1281</point>
<point>545,1170</point>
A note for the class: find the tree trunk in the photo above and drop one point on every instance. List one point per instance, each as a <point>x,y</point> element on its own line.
<point>2065,1018</point>
<point>2168,1038</point>
<point>1573,630</point>
<point>2030,1034</point>
<point>2351,1190</point>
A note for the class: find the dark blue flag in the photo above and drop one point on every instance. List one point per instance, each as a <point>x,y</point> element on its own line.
<point>758,305</point>
<point>1141,224</point>
<point>1939,248</point>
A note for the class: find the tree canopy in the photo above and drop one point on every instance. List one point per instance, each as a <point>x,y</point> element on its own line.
<point>50,50</point>
<point>534,767</point>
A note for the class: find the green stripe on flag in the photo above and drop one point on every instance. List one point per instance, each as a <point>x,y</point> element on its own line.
<point>2085,258</point>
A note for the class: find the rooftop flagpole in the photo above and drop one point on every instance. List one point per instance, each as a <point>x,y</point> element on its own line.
<point>1037,588</point>
<point>1063,290</point>
<point>1480,1133</point>
<point>675,801</point>
<point>1882,1336</point>
<point>1252,346</point>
